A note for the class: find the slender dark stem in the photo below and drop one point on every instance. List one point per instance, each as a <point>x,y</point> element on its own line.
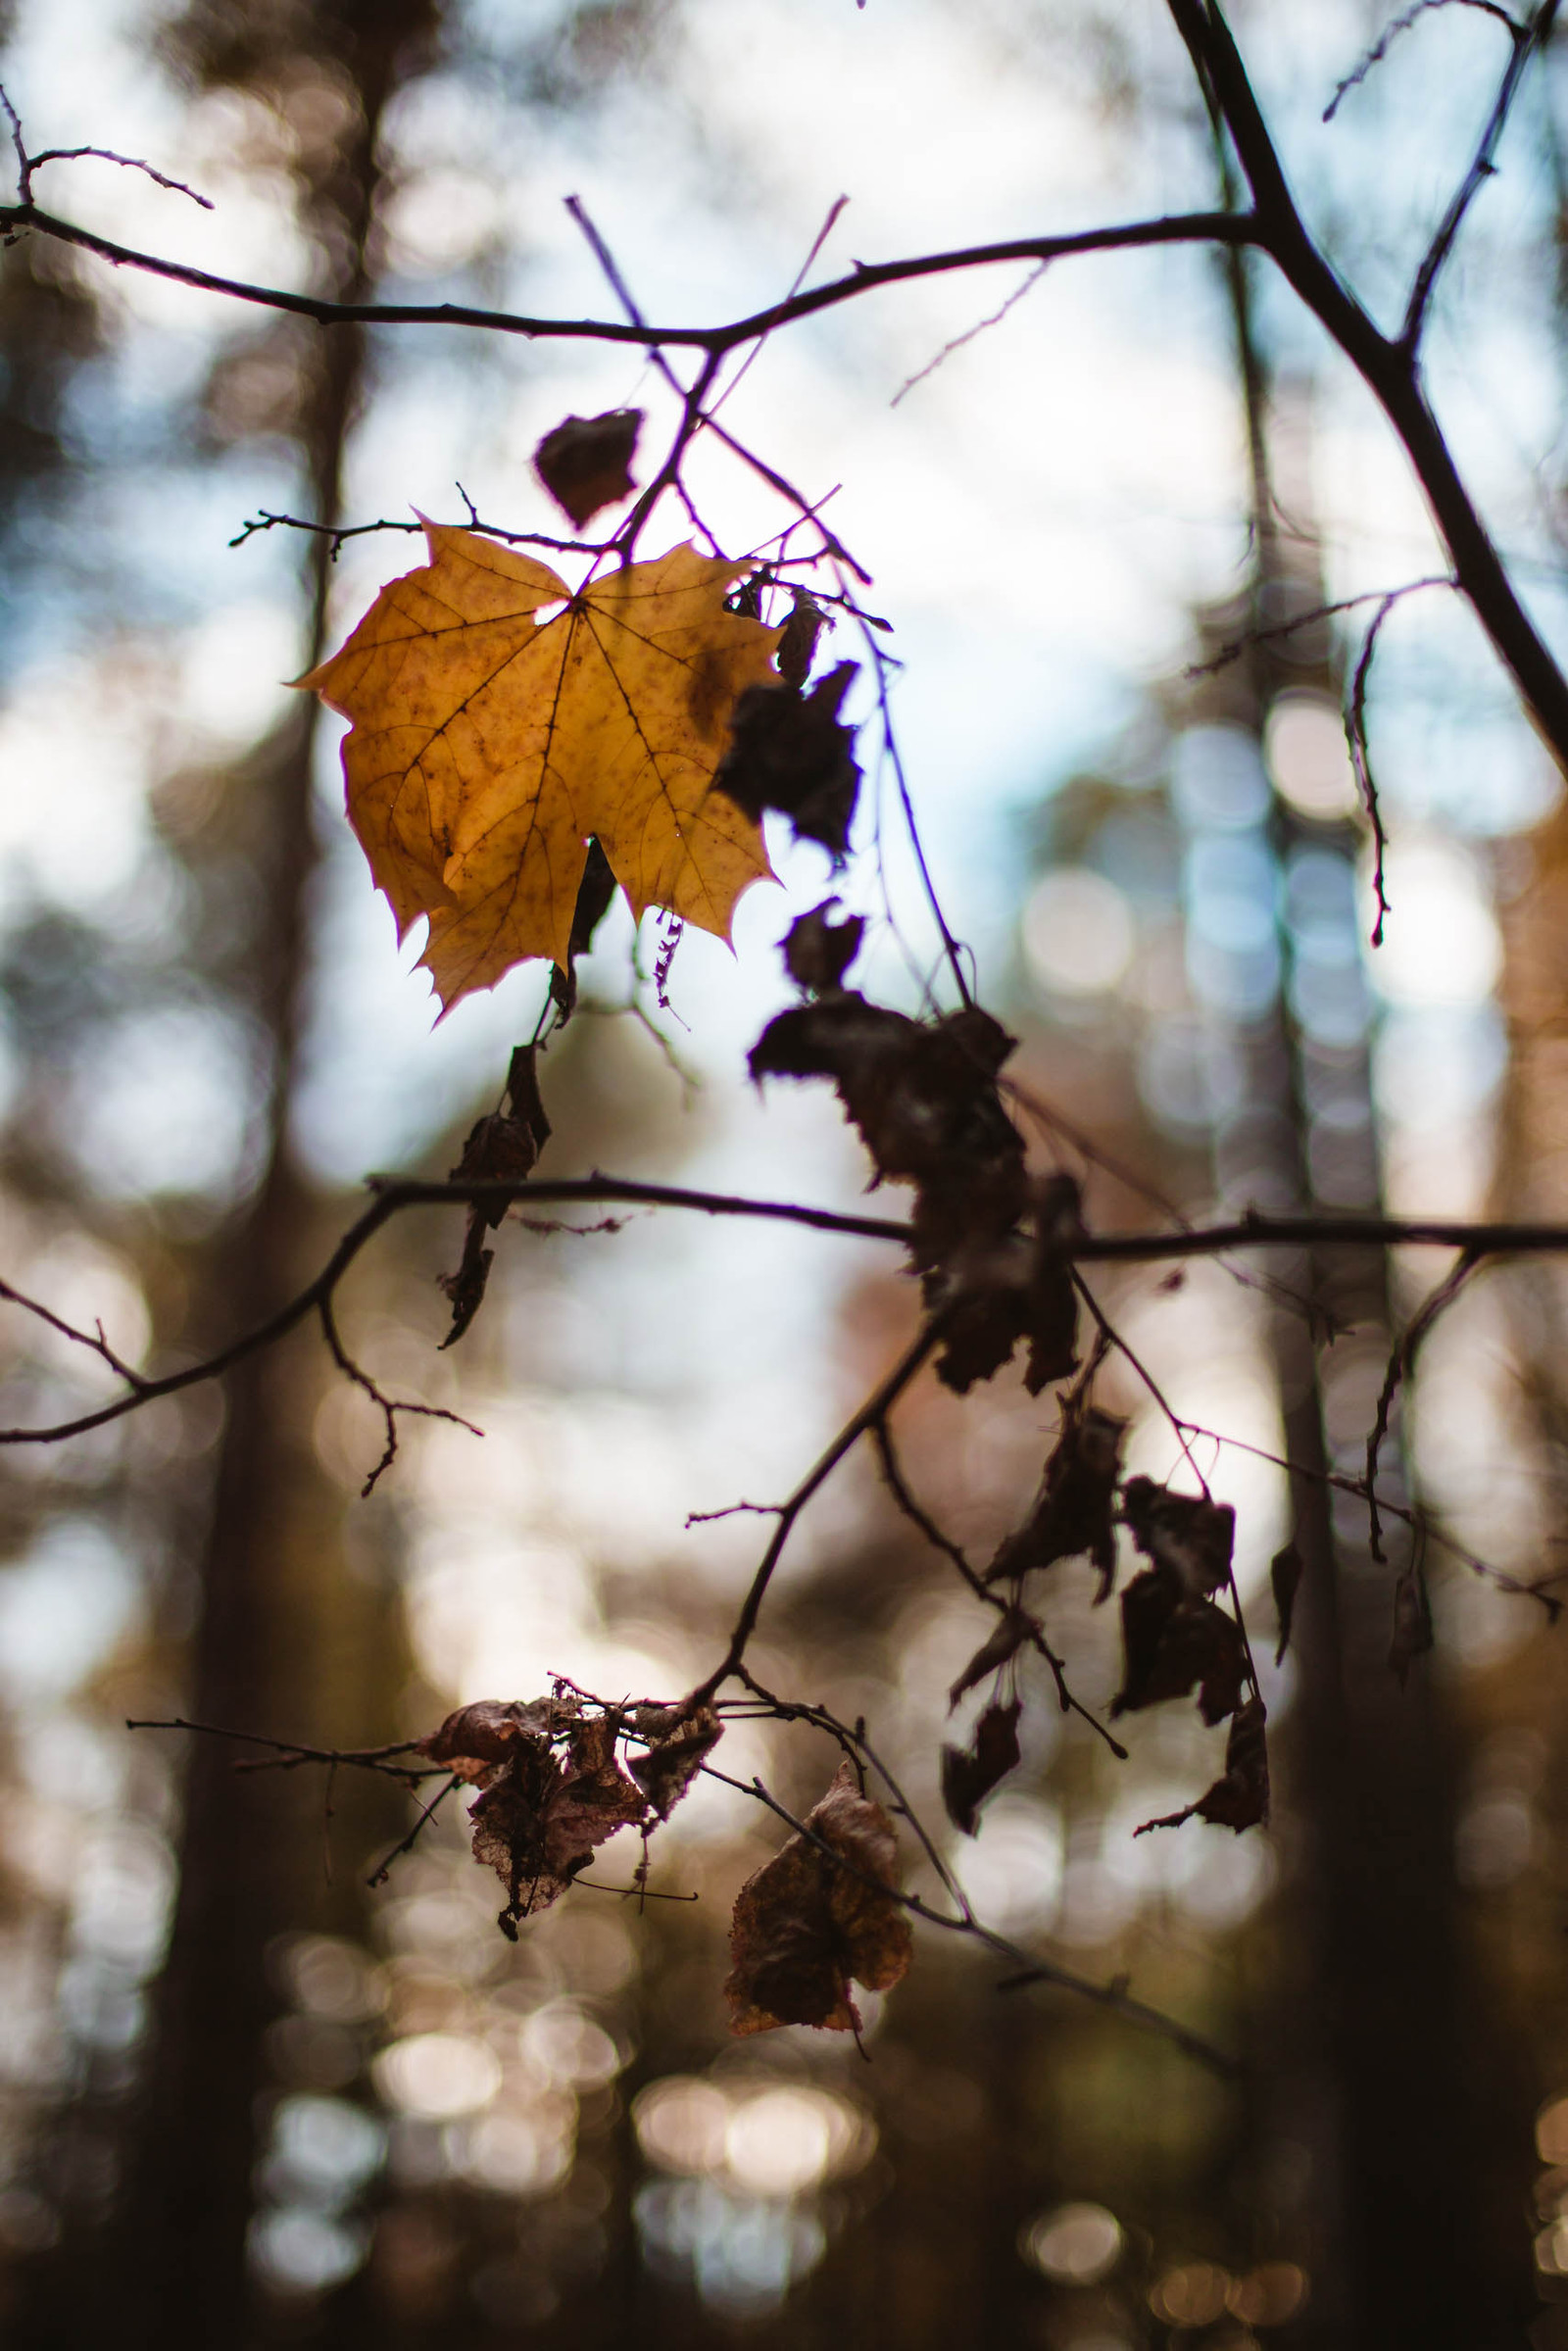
<point>875,1409</point>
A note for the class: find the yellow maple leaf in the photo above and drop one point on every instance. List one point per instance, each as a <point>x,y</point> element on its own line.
<point>486,745</point>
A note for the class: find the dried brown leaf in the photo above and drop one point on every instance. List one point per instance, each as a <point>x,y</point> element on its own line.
<point>1285,1577</point>
<point>1075,1511</point>
<point>1239,1799</point>
<point>538,1822</point>
<point>1172,1644</point>
<point>1005,1640</point>
<point>1185,1533</point>
<point>585,462</point>
<point>810,1922</point>
<point>678,1746</point>
<point>788,750</point>
<point>819,953</point>
<point>969,1774</point>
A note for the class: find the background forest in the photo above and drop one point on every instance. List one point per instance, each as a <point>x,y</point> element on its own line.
<point>246,2099</point>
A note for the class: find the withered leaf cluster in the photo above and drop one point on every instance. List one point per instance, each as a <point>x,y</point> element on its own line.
<point>552,1790</point>
<point>818,1917</point>
<point>924,1098</point>
<point>504,1147</point>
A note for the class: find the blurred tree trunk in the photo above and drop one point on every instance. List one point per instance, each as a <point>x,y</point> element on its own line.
<point>1374,2045</point>
<point>175,2273</point>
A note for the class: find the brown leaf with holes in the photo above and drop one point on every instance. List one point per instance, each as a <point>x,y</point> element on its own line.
<point>678,1745</point>
<point>585,463</point>
<point>1075,1509</point>
<point>538,1822</point>
<point>969,1774</point>
<point>487,746</point>
<point>1172,1644</point>
<point>1239,1799</point>
<point>810,1922</point>
<point>1185,1533</point>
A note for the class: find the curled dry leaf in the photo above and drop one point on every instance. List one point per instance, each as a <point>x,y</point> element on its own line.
<point>969,1774</point>
<point>585,463</point>
<point>505,1146</point>
<point>487,746</point>
<point>1285,1577</point>
<point>810,1922</point>
<point>819,953</point>
<point>797,644</point>
<point>476,1741</point>
<point>1239,1799</point>
<point>595,892</point>
<point>1172,1644</point>
<point>1004,1641</point>
<point>678,1745</point>
<point>1184,1532</point>
<point>788,750</point>
<point>1075,1509</point>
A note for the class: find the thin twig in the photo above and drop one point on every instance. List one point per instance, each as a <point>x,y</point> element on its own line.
<point>131,163</point>
<point>1361,762</point>
<point>969,333</point>
<point>1390,33</point>
<point>1526,41</point>
<point>1401,1363</point>
<point>875,1409</point>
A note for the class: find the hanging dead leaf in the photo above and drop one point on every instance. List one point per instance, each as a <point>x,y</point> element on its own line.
<point>1185,1533</point>
<point>819,953</point>
<point>1284,1576</point>
<point>1172,1644</point>
<point>486,747</point>
<point>810,1922</point>
<point>787,750</point>
<point>1075,1507</point>
<point>1005,1639</point>
<point>585,463</point>
<point>1240,1798</point>
<point>594,895</point>
<point>679,1745</point>
<point>969,1774</point>
<point>505,1146</point>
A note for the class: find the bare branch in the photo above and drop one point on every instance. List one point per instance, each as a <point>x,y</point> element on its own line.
<point>1187,228</point>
